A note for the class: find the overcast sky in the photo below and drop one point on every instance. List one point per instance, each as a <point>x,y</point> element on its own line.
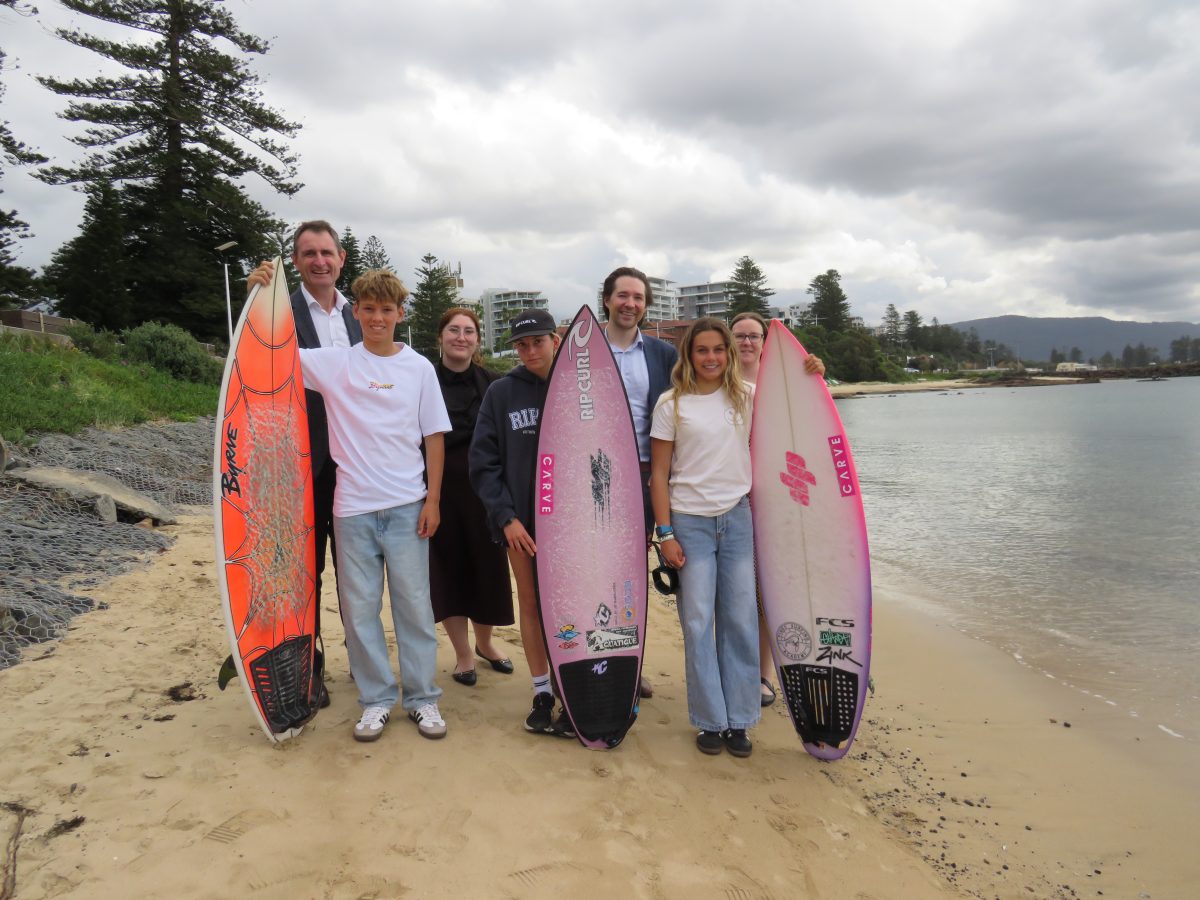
<point>965,158</point>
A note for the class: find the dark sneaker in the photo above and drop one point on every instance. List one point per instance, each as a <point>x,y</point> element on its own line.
<point>737,742</point>
<point>541,717</point>
<point>710,742</point>
<point>562,725</point>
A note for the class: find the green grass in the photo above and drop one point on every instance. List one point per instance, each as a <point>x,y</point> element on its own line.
<point>48,388</point>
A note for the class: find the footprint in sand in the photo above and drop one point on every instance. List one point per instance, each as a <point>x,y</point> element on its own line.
<point>236,826</point>
<point>785,825</point>
<point>548,874</point>
<point>267,880</point>
<point>742,887</point>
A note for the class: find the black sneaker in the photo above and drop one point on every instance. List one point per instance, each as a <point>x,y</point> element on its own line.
<point>710,742</point>
<point>541,717</point>
<point>737,742</point>
<point>562,725</point>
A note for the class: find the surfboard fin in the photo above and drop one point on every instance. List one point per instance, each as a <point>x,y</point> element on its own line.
<point>227,674</point>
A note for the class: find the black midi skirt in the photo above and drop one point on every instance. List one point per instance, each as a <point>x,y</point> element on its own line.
<point>468,572</point>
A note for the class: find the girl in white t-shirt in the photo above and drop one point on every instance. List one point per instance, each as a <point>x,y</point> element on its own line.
<point>699,487</point>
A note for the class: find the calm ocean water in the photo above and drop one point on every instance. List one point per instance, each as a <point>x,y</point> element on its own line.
<point>1058,523</point>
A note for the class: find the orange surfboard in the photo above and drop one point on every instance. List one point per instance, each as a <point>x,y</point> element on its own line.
<point>263,504</point>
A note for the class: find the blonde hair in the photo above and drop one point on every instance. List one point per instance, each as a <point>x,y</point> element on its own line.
<point>683,376</point>
<point>449,316</point>
<point>381,285</point>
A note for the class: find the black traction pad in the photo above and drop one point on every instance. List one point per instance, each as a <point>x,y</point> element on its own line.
<point>600,695</point>
<point>281,677</point>
<point>823,702</point>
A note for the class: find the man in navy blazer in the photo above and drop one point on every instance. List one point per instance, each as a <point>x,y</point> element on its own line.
<point>324,318</point>
<point>645,363</point>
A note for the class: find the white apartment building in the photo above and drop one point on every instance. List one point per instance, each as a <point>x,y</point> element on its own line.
<point>710,299</point>
<point>498,306</point>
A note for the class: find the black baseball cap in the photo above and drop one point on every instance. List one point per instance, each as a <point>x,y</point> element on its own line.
<point>532,322</point>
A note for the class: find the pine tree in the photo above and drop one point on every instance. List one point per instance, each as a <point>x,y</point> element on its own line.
<point>830,307</point>
<point>353,266</point>
<point>374,256</point>
<point>175,133</point>
<point>434,294</point>
<point>748,289</point>
<point>89,274</point>
<point>891,328</point>
<point>912,329</point>
<point>16,282</point>
<point>281,246</point>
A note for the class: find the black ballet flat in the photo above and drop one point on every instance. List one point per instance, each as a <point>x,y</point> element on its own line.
<point>768,698</point>
<point>468,677</point>
<point>500,665</point>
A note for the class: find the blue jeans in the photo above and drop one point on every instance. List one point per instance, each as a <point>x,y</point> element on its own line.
<point>367,546</point>
<point>719,616</point>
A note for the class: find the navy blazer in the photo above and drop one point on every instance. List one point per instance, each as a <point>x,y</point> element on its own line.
<point>306,337</point>
<point>660,360</point>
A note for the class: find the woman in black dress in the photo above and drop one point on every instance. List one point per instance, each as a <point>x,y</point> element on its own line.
<point>468,573</point>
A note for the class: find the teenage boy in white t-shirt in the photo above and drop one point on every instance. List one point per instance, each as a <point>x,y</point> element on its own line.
<point>382,399</point>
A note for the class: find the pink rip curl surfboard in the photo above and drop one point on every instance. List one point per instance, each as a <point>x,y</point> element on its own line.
<point>590,534</point>
<point>810,541</point>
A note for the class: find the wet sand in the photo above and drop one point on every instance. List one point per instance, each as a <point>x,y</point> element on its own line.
<point>130,774</point>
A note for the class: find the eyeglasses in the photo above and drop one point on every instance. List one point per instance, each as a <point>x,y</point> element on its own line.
<point>752,338</point>
<point>461,332</point>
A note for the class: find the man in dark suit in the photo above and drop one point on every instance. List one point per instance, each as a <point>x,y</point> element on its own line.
<point>324,318</point>
<point>645,363</point>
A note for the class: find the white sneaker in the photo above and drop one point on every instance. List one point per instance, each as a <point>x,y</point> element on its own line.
<point>429,721</point>
<point>370,726</point>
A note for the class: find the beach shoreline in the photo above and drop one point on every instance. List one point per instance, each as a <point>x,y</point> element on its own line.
<point>140,778</point>
<point>863,388</point>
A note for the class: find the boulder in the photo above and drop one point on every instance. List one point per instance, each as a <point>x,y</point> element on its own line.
<point>89,487</point>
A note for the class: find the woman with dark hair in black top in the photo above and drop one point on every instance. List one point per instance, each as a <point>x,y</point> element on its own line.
<point>468,572</point>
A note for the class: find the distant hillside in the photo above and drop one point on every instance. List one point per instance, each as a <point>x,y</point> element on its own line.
<point>1035,338</point>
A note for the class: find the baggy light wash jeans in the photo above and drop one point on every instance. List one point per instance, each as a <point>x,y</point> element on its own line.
<point>719,615</point>
<point>367,546</point>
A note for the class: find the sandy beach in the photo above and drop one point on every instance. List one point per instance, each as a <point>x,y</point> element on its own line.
<point>947,384</point>
<point>126,772</point>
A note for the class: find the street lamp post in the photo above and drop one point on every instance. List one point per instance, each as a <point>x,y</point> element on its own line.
<point>221,248</point>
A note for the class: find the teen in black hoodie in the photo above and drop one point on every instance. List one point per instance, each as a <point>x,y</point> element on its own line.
<point>502,465</point>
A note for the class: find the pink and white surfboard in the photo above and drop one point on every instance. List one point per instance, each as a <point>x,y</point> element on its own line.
<point>590,534</point>
<point>810,541</point>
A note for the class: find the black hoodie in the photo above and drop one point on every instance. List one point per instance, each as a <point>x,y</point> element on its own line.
<point>504,449</point>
